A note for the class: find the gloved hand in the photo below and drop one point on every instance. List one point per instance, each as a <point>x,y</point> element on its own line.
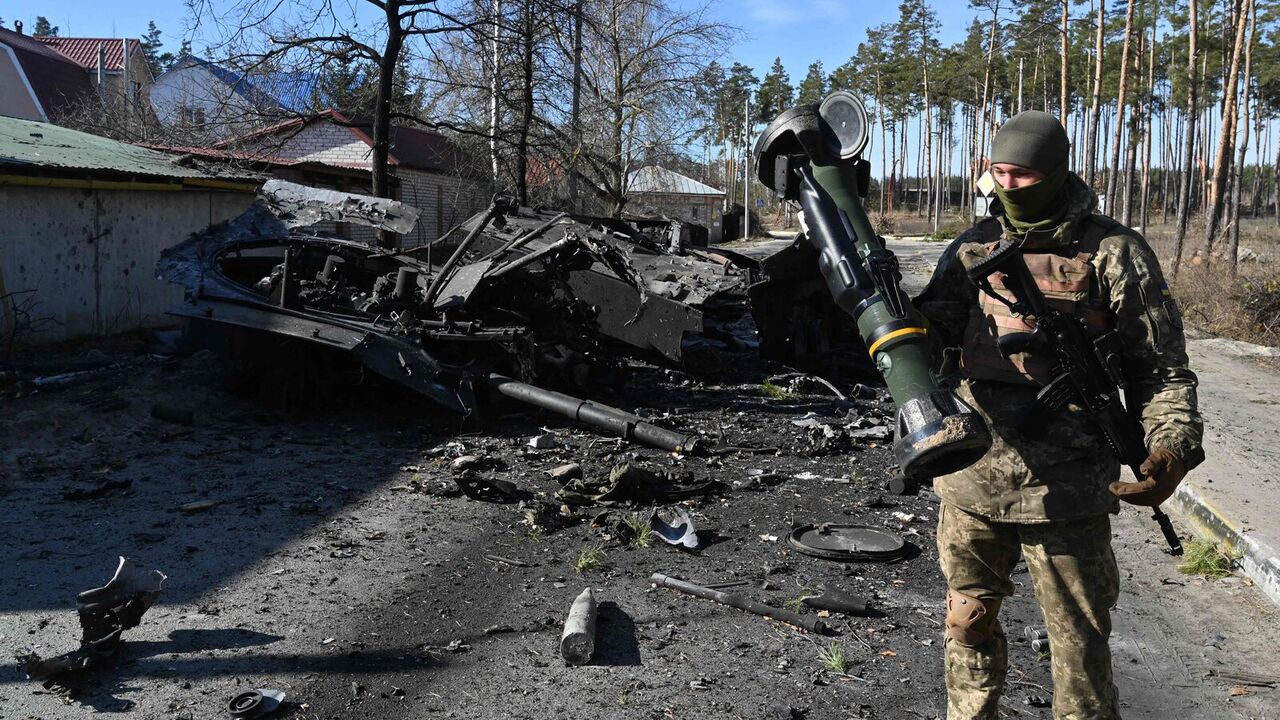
<point>1163,471</point>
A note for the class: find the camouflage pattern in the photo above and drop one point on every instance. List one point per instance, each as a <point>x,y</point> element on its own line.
<point>1076,581</point>
<point>1064,471</point>
<point>1044,495</point>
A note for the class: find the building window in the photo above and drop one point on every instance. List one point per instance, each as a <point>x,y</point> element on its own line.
<point>693,212</point>
<point>190,116</point>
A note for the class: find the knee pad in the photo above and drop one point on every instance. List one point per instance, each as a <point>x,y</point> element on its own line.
<point>970,621</point>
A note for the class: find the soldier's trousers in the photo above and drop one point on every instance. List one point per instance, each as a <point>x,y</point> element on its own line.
<point>1076,583</point>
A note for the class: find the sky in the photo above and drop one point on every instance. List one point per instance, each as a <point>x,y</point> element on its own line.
<point>798,31</point>
<point>802,31</point>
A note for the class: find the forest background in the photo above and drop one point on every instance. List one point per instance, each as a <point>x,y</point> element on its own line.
<point>1173,106</point>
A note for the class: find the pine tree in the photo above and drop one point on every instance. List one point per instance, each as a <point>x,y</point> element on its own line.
<point>814,86</point>
<point>151,44</point>
<point>774,94</point>
<point>43,28</point>
<point>738,86</point>
<point>351,88</point>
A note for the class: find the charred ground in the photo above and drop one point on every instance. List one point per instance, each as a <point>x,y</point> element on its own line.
<point>339,562</point>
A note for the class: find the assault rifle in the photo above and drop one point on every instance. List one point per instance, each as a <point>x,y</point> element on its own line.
<point>1087,371</point>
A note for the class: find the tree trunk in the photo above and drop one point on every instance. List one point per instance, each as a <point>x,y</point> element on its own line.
<point>981,147</point>
<point>893,165</point>
<point>921,158</point>
<point>1251,13</point>
<point>884,174</point>
<point>576,117</point>
<point>619,122</point>
<point>1189,141</point>
<point>1091,143</point>
<point>382,112</point>
<point>1226,135</point>
<point>1064,93</point>
<point>1255,194</point>
<point>1275,181</point>
<point>526,102</point>
<point>928,129</point>
<point>1120,112</point>
<point>1147,132</point>
<point>494,90</point>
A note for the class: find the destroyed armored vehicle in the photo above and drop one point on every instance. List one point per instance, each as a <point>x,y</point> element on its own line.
<point>521,297</point>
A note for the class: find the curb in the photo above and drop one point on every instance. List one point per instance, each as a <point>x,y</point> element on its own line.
<point>1258,560</point>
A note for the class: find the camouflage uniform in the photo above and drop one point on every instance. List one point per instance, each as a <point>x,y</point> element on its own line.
<point>1046,497</point>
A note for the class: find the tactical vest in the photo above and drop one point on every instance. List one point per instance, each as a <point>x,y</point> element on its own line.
<point>1066,277</point>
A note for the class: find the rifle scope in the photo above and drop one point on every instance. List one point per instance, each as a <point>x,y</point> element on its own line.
<point>812,154</point>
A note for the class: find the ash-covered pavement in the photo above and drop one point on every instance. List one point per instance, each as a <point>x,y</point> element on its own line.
<point>331,556</point>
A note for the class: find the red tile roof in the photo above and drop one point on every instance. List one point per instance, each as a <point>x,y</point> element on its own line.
<point>84,51</point>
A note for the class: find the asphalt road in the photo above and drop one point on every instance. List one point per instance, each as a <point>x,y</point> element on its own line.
<point>334,563</point>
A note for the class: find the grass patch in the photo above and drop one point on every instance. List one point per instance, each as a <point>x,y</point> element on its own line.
<point>947,231</point>
<point>641,533</point>
<point>833,658</point>
<point>797,603</point>
<point>1206,559</point>
<point>589,559</point>
<point>769,390</point>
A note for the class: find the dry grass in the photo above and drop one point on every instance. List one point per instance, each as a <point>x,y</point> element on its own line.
<point>1246,307</point>
<point>1206,559</point>
<point>769,390</point>
<point>589,559</point>
<point>833,658</point>
<point>641,533</point>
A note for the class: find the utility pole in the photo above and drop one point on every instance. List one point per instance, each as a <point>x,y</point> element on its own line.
<point>746,167</point>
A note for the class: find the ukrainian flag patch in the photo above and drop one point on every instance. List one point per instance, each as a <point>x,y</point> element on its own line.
<point>1164,289</point>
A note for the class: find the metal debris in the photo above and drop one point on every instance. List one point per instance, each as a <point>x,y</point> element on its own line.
<point>578,641</point>
<point>255,703</point>
<point>105,613</point>
<point>676,529</point>
<point>847,543</point>
<point>737,601</point>
<point>836,600</point>
<point>302,206</point>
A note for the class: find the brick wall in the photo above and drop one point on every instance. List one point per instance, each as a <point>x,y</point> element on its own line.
<point>701,209</point>
<point>444,201</point>
<point>319,142</point>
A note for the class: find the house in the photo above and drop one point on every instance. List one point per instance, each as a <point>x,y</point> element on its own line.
<point>221,103</point>
<point>429,171</point>
<point>675,195</point>
<point>85,220</point>
<point>36,81</point>
<point>43,77</point>
<point>117,67</point>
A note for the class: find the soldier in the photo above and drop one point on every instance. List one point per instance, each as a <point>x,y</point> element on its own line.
<point>1048,497</point>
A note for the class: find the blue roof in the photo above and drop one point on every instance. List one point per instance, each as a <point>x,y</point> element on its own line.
<point>292,91</point>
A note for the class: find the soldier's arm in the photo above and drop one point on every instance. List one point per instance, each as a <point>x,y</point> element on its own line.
<point>1161,385</point>
<point>948,298</point>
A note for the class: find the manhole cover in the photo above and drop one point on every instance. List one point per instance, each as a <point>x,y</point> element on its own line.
<point>847,543</point>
